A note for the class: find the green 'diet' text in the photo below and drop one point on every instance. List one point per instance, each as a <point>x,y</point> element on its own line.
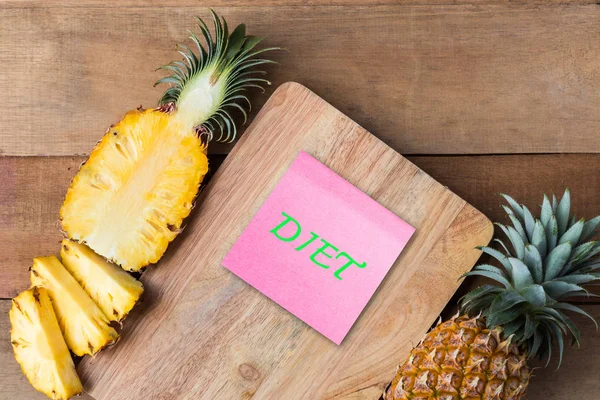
<point>323,251</point>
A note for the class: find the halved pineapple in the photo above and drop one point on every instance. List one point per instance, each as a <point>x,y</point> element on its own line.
<point>114,290</point>
<point>129,199</point>
<point>39,345</point>
<point>85,327</point>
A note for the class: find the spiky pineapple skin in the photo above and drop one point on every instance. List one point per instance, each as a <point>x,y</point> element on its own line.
<point>461,359</point>
<point>129,199</point>
<point>39,346</point>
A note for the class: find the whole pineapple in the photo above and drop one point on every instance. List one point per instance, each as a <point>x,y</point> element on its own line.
<point>483,352</point>
<point>128,200</point>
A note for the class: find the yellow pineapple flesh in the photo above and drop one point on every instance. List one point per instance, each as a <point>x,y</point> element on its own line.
<point>112,289</point>
<point>462,359</point>
<point>129,199</point>
<point>84,326</point>
<point>39,346</point>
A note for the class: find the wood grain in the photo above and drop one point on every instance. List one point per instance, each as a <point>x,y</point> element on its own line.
<point>480,179</point>
<point>427,79</point>
<point>255,3</point>
<point>34,188</point>
<point>213,336</point>
<point>14,385</point>
<point>32,191</point>
<point>575,379</point>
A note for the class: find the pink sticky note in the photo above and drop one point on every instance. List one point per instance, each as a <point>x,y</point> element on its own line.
<point>319,247</point>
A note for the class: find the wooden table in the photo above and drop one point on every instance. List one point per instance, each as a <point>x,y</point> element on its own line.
<point>486,97</point>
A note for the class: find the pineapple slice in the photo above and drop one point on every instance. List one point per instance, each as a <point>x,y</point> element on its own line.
<point>39,345</point>
<point>129,199</point>
<point>113,289</point>
<point>84,326</point>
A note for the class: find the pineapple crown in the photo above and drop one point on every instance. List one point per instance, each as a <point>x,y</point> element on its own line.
<point>207,86</point>
<point>552,257</point>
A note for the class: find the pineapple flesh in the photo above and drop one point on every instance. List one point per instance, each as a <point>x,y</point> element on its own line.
<point>128,201</point>
<point>483,353</point>
<point>112,289</point>
<point>39,346</point>
<point>85,327</point>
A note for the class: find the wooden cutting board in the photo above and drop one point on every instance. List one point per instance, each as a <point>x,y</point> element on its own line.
<point>202,333</point>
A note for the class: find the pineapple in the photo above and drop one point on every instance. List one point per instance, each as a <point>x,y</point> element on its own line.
<point>483,353</point>
<point>128,200</point>
<point>85,327</point>
<point>111,288</point>
<point>39,345</point>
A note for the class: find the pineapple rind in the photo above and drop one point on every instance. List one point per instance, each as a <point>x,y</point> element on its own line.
<point>462,359</point>
<point>85,327</point>
<point>39,346</point>
<point>553,257</point>
<point>111,288</point>
<point>128,201</point>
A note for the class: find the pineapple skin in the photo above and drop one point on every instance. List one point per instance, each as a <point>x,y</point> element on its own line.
<point>39,346</point>
<point>84,326</point>
<point>129,199</point>
<point>111,288</point>
<point>461,359</point>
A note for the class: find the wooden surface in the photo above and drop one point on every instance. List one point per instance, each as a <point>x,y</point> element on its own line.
<point>35,188</point>
<point>442,79</point>
<point>212,335</point>
<point>576,379</point>
<point>428,79</point>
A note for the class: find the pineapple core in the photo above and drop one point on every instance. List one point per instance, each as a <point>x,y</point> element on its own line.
<point>39,345</point>
<point>114,290</point>
<point>85,327</point>
<point>129,199</point>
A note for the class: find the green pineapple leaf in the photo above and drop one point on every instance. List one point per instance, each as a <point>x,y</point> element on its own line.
<point>556,260</point>
<point>517,209</point>
<point>535,295</point>
<point>521,277</point>
<point>547,211</point>
<point>550,261</point>
<point>208,84</point>
<point>538,238</point>
<point>573,234</point>
<point>529,222</point>
<point>562,212</point>
<point>533,260</point>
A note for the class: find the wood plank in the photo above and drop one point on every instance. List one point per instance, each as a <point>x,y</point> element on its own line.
<point>574,379</point>
<point>32,191</point>
<point>256,3</point>
<point>207,327</point>
<point>480,179</point>
<point>34,187</point>
<point>13,384</point>
<point>426,79</point>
